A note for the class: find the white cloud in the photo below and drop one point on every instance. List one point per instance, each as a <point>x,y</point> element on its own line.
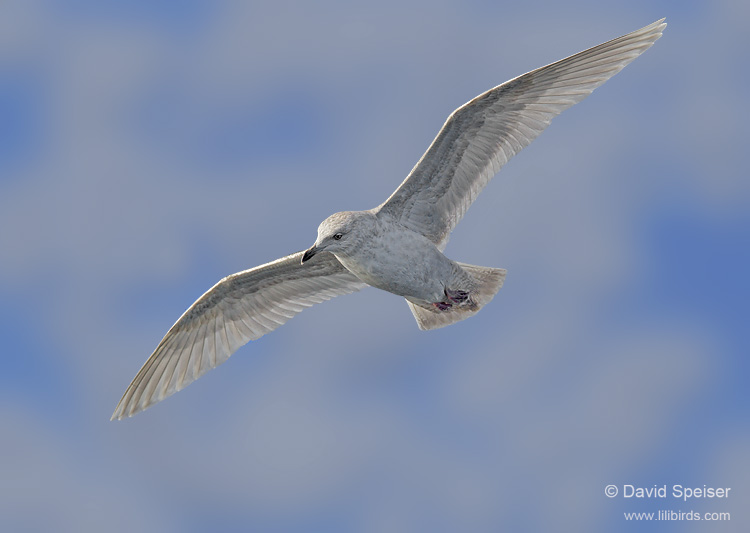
<point>349,402</point>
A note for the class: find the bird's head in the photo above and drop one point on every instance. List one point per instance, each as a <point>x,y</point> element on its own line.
<point>340,233</point>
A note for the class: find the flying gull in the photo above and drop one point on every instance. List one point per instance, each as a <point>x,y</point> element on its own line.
<point>397,246</point>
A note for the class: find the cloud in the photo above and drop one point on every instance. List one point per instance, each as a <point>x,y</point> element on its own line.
<point>174,150</point>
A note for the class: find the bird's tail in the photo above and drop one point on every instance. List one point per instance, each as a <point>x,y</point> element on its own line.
<point>488,280</point>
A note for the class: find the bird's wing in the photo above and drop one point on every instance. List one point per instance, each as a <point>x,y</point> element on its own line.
<point>482,135</point>
<point>240,308</point>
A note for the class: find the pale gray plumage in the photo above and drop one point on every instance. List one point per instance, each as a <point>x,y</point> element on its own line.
<point>240,308</point>
<point>482,135</point>
<point>397,246</point>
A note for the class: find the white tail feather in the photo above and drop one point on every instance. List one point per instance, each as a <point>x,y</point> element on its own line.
<point>489,281</point>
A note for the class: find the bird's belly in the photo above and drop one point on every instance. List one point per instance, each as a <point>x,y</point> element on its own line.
<point>415,271</point>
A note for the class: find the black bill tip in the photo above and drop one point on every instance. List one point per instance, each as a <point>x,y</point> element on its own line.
<point>309,253</point>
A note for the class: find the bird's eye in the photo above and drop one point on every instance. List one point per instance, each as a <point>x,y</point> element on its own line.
<point>337,236</point>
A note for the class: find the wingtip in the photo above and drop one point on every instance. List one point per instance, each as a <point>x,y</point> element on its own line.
<point>650,33</point>
<point>658,25</point>
<point>120,410</point>
<point>128,410</point>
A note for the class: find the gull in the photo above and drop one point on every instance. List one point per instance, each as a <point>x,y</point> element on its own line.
<point>397,246</point>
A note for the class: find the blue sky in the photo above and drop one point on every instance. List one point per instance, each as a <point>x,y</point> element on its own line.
<point>148,149</point>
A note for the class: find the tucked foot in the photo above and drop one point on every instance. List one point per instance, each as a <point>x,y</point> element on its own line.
<point>456,296</point>
<point>443,306</point>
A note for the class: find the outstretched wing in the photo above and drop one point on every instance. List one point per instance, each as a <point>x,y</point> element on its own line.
<point>241,307</point>
<point>482,135</point>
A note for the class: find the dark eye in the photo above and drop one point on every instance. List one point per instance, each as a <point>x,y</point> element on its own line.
<point>337,236</point>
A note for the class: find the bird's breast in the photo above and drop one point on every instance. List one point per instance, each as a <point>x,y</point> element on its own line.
<point>401,262</point>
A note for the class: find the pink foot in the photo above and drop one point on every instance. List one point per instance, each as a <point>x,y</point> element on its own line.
<point>443,306</point>
<point>456,296</point>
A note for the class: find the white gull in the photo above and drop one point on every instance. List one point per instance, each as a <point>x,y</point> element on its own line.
<point>397,246</point>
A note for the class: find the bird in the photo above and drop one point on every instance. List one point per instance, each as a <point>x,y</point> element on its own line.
<point>397,246</point>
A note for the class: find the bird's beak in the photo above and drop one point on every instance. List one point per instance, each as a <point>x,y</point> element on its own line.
<point>309,253</point>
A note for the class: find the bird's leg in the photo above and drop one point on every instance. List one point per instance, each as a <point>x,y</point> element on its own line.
<point>456,296</point>
<point>442,306</point>
<point>451,297</point>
